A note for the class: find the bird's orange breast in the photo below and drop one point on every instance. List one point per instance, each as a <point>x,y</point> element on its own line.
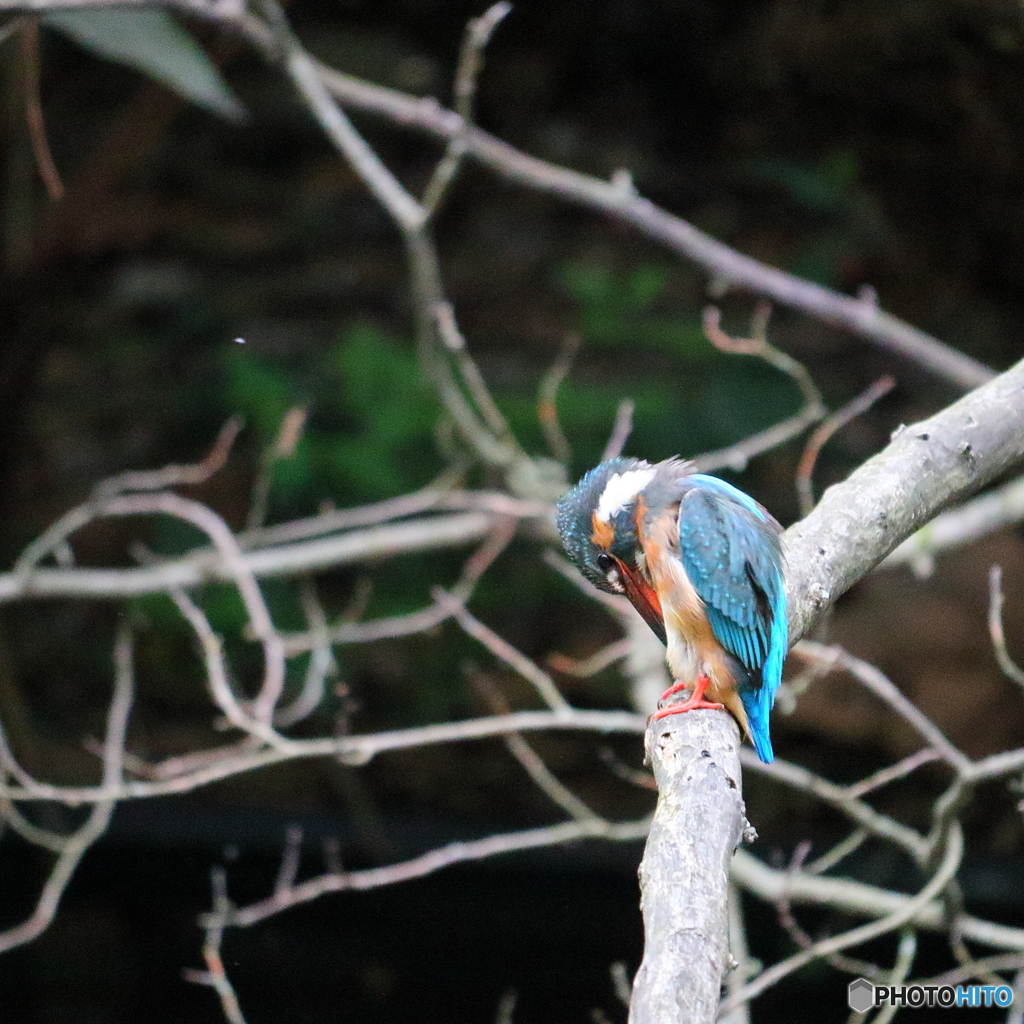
<point>693,649</point>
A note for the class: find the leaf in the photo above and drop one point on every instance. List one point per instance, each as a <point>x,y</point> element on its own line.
<point>151,42</point>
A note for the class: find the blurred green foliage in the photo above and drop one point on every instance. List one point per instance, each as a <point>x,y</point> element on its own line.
<point>370,436</point>
<point>688,396</point>
<point>621,308</point>
<point>841,223</point>
<point>370,430</point>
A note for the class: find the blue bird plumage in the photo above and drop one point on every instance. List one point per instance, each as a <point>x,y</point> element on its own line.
<point>733,558</point>
<point>729,549</point>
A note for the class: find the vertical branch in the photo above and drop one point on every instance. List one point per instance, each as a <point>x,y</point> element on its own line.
<point>995,627</point>
<point>547,411</point>
<point>289,434</point>
<point>34,110</point>
<point>215,976</point>
<point>75,845</point>
<point>411,218</point>
<point>817,440</point>
<point>620,431</point>
<point>684,876</point>
<point>471,62</point>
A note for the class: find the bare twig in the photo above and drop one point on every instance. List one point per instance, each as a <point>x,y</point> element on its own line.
<point>471,61</point>
<point>621,430</point>
<point>29,32</point>
<point>289,434</point>
<point>217,674</point>
<point>332,520</point>
<point>435,860</point>
<point>322,662</point>
<point>875,822</point>
<point>587,667</point>
<point>758,345</point>
<point>502,649</point>
<point>454,342</point>
<point>839,852</point>
<point>738,455</point>
<point>531,761</point>
<point>817,440</point>
<point>353,749</point>
<point>893,772</point>
<point>905,953</point>
<point>863,933</point>
<point>784,909</point>
<point>75,845</point>
<point>174,476</point>
<point>976,969</point>
<point>414,622</point>
<point>547,411</point>
<point>215,975</point>
<point>862,900</point>
<point>879,684</point>
<point>995,627</point>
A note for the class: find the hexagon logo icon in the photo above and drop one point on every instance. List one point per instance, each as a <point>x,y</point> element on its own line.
<point>860,995</point>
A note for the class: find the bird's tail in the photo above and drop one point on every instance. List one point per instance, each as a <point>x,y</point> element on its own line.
<point>757,700</point>
<point>757,715</point>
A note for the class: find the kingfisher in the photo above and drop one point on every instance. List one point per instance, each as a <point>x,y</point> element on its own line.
<point>702,562</point>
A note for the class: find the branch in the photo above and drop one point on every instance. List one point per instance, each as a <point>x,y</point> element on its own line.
<point>357,749</point>
<point>862,900</point>
<point>426,534</point>
<point>926,467</point>
<point>616,198</point>
<point>720,261</point>
<point>865,932</point>
<point>215,976</point>
<point>434,860</point>
<point>74,847</point>
<point>698,823</point>
<point>813,409</point>
<point>1000,507</point>
<point>854,408</point>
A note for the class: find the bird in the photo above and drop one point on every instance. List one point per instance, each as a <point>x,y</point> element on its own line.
<point>702,562</point>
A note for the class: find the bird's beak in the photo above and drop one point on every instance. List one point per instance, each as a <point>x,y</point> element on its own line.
<point>644,599</point>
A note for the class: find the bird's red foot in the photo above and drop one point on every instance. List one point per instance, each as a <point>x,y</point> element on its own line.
<point>695,700</point>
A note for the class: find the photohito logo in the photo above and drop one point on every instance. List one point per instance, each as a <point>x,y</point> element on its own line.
<point>863,996</point>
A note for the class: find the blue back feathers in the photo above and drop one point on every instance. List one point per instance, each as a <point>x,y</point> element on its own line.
<point>730,549</point>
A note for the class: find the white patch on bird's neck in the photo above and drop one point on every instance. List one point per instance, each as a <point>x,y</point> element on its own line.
<point>621,489</point>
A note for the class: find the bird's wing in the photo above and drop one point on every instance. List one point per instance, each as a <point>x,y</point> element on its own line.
<point>730,550</point>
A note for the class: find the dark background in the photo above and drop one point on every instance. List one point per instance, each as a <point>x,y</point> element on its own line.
<point>864,142</point>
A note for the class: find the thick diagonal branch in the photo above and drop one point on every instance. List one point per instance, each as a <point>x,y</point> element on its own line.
<point>926,468</point>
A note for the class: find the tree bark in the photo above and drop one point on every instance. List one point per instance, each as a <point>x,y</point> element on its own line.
<point>924,469</point>
<point>684,876</point>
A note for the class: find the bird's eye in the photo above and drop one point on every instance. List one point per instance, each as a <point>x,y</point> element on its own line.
<point>605,563</point>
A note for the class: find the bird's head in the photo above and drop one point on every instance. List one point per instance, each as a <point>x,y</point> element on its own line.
<point>600,521</point>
